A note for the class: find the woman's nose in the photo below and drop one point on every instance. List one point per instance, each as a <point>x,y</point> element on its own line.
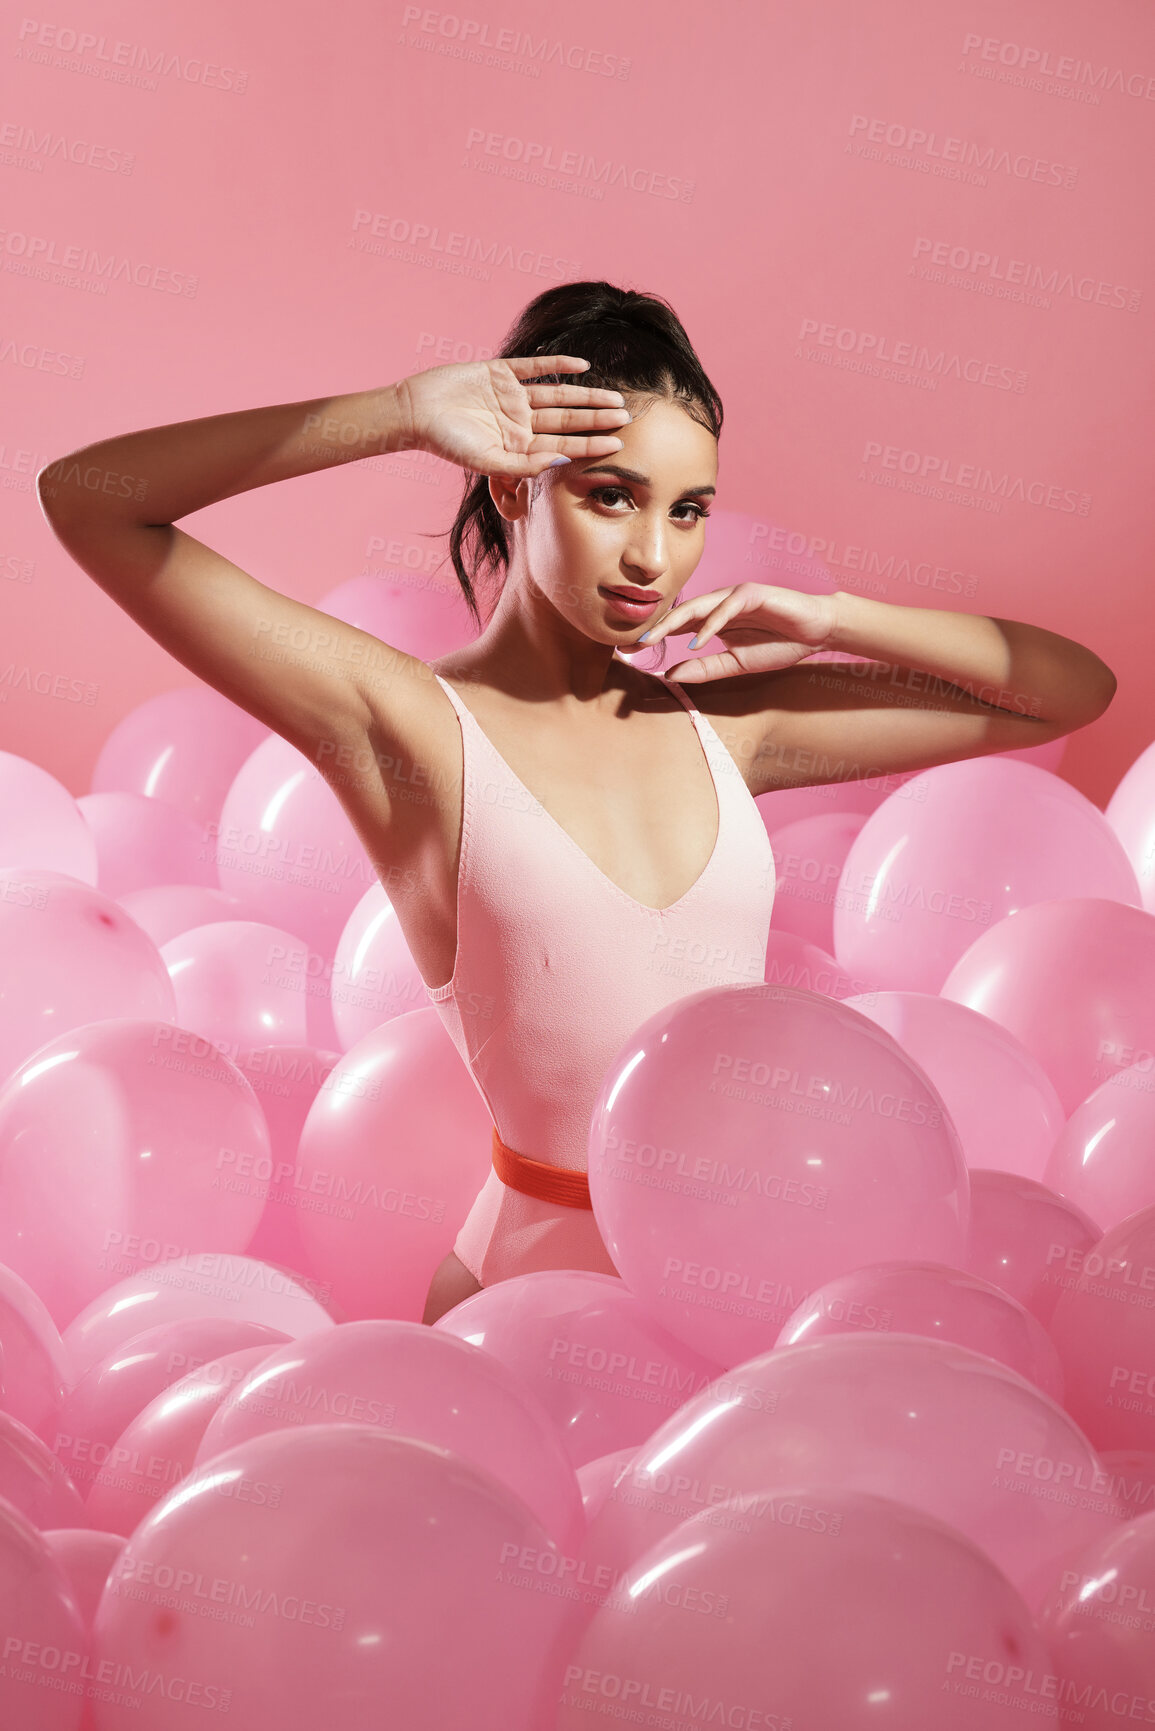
<point>647,550</point>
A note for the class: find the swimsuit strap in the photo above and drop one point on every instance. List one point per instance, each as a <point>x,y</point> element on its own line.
<point>676,687</point>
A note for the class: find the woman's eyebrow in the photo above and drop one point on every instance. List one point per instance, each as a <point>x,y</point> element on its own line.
<point>636,476</point>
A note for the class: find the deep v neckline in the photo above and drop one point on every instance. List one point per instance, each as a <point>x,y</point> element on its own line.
<point>694,717</point>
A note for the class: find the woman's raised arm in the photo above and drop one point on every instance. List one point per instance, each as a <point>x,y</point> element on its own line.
<point>114,504</point>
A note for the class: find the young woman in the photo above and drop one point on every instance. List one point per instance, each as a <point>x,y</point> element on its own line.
<point>560,832</point>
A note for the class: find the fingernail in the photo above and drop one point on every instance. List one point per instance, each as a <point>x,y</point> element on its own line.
<point>554,461</point>
<point>643,637</point>
<point>694,641</point>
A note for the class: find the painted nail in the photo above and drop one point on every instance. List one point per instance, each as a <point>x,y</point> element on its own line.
<point>643,637</point>
<point>554,461</point>
<point>694,641</point>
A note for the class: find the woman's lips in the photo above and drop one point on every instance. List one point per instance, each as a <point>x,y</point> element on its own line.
<point>632,607</point>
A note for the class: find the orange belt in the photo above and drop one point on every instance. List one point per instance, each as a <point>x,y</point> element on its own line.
<point>538,1178</point>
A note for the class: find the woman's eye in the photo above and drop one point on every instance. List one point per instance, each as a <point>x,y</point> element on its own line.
<point>609,495</point>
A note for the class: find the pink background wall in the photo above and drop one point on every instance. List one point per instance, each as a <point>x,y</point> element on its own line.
<point>912,244</point>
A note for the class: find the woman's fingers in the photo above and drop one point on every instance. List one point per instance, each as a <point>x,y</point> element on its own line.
<point>565,420</point>
<point>542,453</point>
<point>531,366</point>
<point>724,666</point>
<point>716,619</point>
<point>550,396</point>
<point>575,445</point>
<point>755,656</point>
<point>687,615</point>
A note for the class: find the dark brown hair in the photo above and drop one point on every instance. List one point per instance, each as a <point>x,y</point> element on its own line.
<point>634,342</point>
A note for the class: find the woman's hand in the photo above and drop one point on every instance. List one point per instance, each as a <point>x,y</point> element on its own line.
<point>764,629</point>
<point>480,415</point>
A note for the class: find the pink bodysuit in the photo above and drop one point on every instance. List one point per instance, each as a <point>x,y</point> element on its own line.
<point>556,966</point>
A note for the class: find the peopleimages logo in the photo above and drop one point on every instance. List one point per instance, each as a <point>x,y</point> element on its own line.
<point>123,62</point>
<point>541,159</point>
<point>921,357</point>
<point>39,255</point>
<point>1041,63</point>
<point>585,1686</point>
<point>1018,273</point>
<point>451,249</point>
<point>964,153</point>
<point>945,471</point>
<point>36,358</point>
<point>995,1681</point>
<point>29,148</point>
<point>481,41</point>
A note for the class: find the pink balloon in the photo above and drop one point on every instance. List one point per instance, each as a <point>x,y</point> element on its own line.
<point>596,1479</point>
<point>286,849</point>
<point>808,859</point>
<point>34,1367</point>
<point>748,1144</point>
<point>240,983</point>
<point>208,1284</point>
<point>1131,814</point>
<point>183,747</point>
<point>321,1031</point>
<point>1000,1099</point>
<point>929,1423</point>
<point>1025,1239</point>
<point>1132,1480</point>
<point>33,1480</point>
<point>141,842</point>
<point>1101,1159</point>
<point>272,989</point>
<point>115,1147</point>
<point>409,1379</point>
<point>374,975</point>
<point>157,1449</point>
<point>923,881</point>
<point>360,1568</point>
<point>825,1606</point>
<point>1074,981</point>
<point>164,911</point>
<point>393,1154</point>
<point>791,961</point>
<point>1099,1621</point>
<point>41,826</point>
<point>942,1303</point>
<point>409,609</point>
<point>1104,1328</point>
<point>286,1081</point>
<point>606,1372</point>
<point>71,955</point>
<point>41,1621</point>
<point>112,1392</point>
<point>86,1556</point>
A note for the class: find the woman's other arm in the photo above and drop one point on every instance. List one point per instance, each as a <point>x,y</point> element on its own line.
<point>114,504</point>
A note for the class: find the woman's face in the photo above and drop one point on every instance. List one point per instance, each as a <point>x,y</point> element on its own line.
<point>632,520</point>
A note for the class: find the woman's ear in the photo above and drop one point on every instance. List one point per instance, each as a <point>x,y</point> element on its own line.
<point>511,495</point>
